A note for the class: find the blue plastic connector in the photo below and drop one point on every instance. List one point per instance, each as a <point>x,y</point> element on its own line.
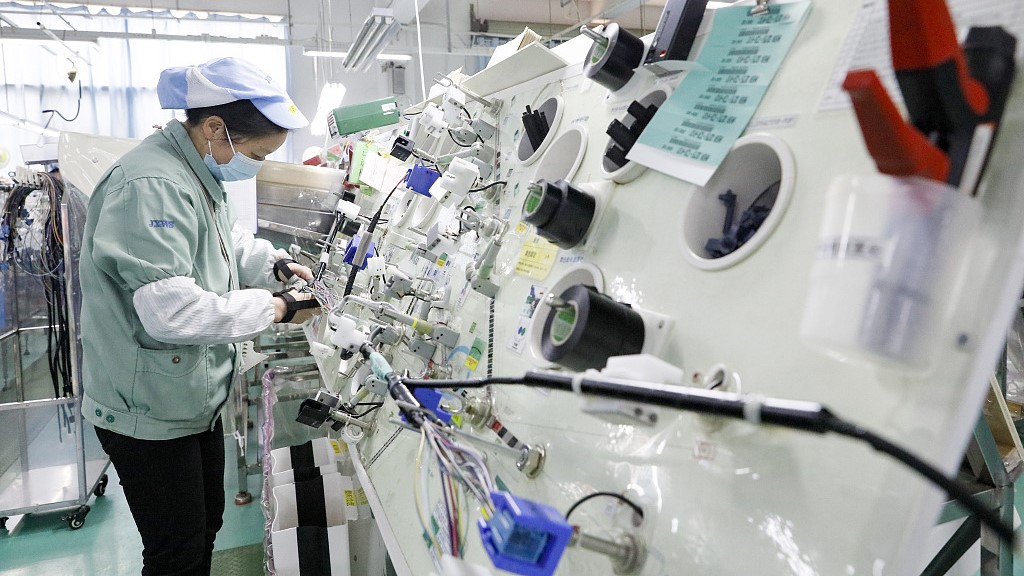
<point>353,247</point>
<point>421,178</point>
<point>524,537</point>
<point>430,399</point>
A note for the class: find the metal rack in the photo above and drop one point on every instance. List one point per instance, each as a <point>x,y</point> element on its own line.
<point>50,465</point>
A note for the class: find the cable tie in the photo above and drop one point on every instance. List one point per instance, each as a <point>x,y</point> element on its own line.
<point>752,409</point>
<point>577,383</point>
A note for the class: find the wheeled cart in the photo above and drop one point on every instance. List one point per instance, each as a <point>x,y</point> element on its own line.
<point>50,458</point>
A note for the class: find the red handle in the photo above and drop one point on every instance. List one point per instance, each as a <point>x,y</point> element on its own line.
<point>923,37</point>
<point>898,148</point>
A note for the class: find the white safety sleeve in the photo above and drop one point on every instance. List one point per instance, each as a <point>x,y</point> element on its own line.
<point>177,311</point>
<point>255,258</point>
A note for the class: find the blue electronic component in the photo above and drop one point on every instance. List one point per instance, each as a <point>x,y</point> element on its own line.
<point>353,247</point>
<point>430,399</point>
<point>421,178</point>
<point>524,537</point>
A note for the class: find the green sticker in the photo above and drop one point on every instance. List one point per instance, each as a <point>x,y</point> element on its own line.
<point>564,324</point>
<point>533,200</point>
<point>599,49</point>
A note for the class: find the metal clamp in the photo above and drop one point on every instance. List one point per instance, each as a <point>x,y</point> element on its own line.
<point>761,8</point>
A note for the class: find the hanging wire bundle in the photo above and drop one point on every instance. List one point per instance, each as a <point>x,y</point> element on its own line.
<point>32,242</point>
<point>461,468</point>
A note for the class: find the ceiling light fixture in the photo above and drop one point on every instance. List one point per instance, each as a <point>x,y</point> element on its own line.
<point>334,54</point>
<point>378,29</point>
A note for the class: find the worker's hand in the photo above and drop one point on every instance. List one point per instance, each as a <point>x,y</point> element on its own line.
<point>286,269</point>
<point>295,307</point>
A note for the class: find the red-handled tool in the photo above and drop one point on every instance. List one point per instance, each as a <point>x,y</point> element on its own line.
<point>940,93</point>
<point>954,101</point>
<point>898,148</point>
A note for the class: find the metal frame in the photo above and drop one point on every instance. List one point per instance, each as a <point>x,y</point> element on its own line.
<point>91,474</point>
<point>995,489</point>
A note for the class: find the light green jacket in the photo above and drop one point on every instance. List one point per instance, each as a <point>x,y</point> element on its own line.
<point>158,213</point>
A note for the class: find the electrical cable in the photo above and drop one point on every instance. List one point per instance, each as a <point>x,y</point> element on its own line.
<point>491,185</point>
<point>806,416</point>
<point>78,109</point>
<point>636,508</point>
<point>457,143</point>
<point>33,241</point>
<point>369,234</point>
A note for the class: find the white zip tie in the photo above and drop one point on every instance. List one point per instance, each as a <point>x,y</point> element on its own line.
<point>752,409</point>
<point>577,383</point>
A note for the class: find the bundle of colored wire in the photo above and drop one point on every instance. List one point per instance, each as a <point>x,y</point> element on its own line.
<point>461,468</point>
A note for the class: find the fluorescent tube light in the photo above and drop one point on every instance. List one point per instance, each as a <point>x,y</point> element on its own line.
<point>378,29</point>
<point>333,54</point>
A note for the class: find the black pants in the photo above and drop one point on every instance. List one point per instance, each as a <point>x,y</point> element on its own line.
<point>175,490</point>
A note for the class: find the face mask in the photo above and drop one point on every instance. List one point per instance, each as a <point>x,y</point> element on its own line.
<point>240,167</point>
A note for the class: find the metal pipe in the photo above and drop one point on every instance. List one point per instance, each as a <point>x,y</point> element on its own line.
<point>627,552</point>
<point>593,35</point>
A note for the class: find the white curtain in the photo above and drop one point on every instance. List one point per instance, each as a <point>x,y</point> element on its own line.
<point>118,83</point>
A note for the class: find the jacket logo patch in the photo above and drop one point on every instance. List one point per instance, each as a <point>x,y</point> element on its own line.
<point>161,223</point>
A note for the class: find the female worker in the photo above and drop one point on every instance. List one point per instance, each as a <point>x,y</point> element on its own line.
<point>162,306</point>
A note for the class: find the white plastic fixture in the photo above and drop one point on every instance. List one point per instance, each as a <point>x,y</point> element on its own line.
<point>564,157</point>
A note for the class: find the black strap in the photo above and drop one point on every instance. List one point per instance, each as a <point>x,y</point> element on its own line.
<point>281,270</point>
<point>291,305</point>
<point>309,503</point>
<point>302,456</point>
<point>314,550</point>
<point>305,473</point>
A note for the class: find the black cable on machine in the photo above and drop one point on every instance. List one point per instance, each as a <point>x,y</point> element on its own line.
<point>636,508</point>
<point>369,233</point>
<point>806,416</point>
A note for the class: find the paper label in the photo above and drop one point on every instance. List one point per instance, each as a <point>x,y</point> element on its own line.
<point>692,133</point>
<point>536,258</point>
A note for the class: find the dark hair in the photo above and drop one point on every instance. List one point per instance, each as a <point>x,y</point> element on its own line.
<point>242,118</point>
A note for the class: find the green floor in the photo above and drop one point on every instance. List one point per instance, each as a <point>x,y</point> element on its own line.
<point>109,545</point>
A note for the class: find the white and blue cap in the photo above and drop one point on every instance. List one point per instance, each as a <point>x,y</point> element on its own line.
<point>227,80</point>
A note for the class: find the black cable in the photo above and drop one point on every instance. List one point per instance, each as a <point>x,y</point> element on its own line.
<point>369,231</point>
<point>952,487</point>
<point>806,416</point>
<point>619,497</point>
<point>457,143</point>
<point>491,185</point>
<point>78,109</point>
<point>374,406</point>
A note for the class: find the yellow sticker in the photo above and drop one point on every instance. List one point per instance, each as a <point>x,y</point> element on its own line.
<point>522,227</point>
<point>472,363</point>
<point>361,497</point>
<point>293,109</point>
<point>350,498</point>
<point>336,446</point>
<point>536,258</point>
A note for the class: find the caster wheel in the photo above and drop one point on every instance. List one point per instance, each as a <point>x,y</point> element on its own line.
<point>101,487</point>
<point>77,519</point>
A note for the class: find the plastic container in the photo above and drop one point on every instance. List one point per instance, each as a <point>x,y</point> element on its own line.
<point>886,263</point>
